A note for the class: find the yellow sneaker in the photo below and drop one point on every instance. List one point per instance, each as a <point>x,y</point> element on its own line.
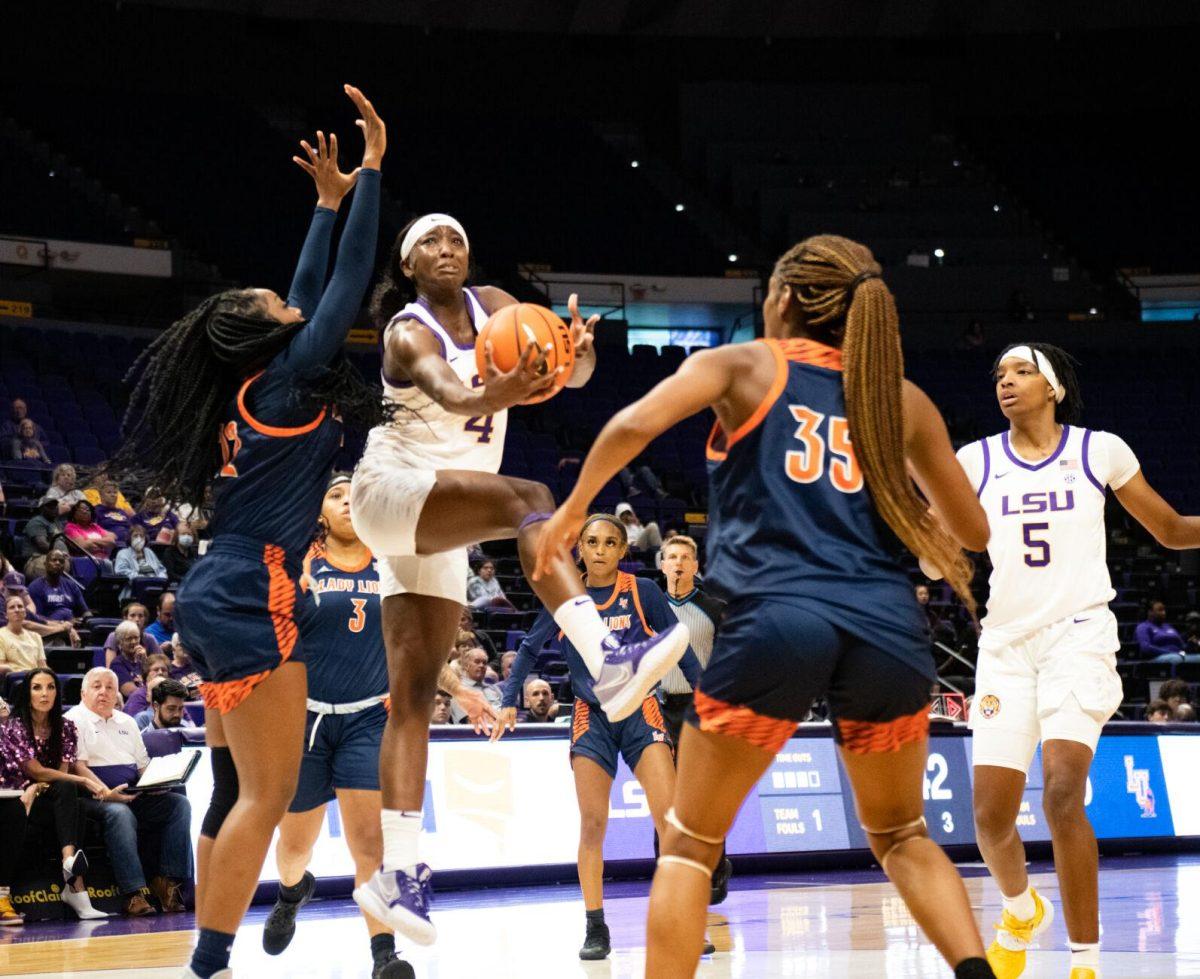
<point>1008,962</point>
<point>8,914</point>
<point>1083,972</point>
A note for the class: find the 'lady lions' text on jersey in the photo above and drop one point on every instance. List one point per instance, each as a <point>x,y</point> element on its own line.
<point>1048,541</point>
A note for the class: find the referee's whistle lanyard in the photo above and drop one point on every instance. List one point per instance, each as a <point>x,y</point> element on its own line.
<point>323,710</point>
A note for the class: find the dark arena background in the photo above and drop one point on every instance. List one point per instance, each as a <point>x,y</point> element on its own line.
<point>1021,174</point>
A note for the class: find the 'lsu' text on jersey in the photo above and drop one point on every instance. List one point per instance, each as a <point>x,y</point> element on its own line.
<point>791,519</point>
<point>1047,524</point>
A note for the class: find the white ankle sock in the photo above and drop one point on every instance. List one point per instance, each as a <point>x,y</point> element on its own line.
<point>581,623</point>
<point>1023,906</point>
<point>401,835</point>
<point>1085,955</point>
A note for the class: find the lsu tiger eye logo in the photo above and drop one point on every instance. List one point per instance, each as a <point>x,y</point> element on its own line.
<point>989,705</point>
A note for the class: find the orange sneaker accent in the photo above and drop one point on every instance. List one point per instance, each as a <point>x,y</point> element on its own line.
<point>718,717</point>
<point>876,737</point>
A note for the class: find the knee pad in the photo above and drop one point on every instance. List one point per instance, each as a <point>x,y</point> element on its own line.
<point>891,839</point>
<point>225,792</point>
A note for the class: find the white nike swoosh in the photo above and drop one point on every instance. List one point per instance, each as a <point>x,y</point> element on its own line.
<point>623,673</point>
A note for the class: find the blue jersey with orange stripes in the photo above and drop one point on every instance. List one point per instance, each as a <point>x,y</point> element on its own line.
<point>632,608</point>
<point>790,518</point>
<point>342,628</point>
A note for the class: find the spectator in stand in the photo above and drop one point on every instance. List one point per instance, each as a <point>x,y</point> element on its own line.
<point>540,705</point>
<point>57,595</point>
<point>160,522</point>
<point>63,490</point>
<point>95,494</point>
<point>179,557</point>
<point>20,648</point>
<point>1175,692</point>
<point>52,633</point>
<point>25,446</point>
<point>640,479</point>
<point>466,623</point>
<point>162,629</point>
<point>641,537</point>
<point>39,753</point>
<point>1159,712</point>
<point>1157,640</point>
<point>940,629</point>
<point>474,669</point>
<point>138,560</point>
<point>128,657</point>
<point>506,663</point>
<point>89,535</point>
<point>111,749</point>
<point>167,701</point>
<point>134,612</point>
<point>113,512</point>
<point>484,591</point>
<point>182,668</point>
<point>12,425</point>
<point>155,669</point>
<point>441,708</point>
<point>43,531</point>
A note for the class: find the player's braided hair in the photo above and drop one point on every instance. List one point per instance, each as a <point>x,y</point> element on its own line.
<point>183,381</point>
<point>841,295</point>
<point>1070,410</point>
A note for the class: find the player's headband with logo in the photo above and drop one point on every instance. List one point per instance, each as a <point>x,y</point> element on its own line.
<point>1035,356</point>
<point>336,480</point>
<point>607,518</point>
<point>423,225</point>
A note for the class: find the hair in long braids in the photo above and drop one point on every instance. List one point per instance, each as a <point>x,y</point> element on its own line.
<point>842,296</point>
<point>1070,410</point>
<point>23,713</point>
<point>184,380</point>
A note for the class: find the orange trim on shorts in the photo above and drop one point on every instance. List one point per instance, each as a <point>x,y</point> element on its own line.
<point>273,430</point>
<point>778,383</point>
<point>653,713</point>
<point>717,717</point>
<point>802,351</point>
<point>226,695</point>
<point>878,737</point>
<point>580,719</point>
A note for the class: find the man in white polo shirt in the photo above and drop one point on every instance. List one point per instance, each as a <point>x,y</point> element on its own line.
<point>110,745</point>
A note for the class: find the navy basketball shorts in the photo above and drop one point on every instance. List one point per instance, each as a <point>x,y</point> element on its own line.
<point>236,616</point>
<point>344,754</point>
<point>771,660</point>
<point>594,736</point>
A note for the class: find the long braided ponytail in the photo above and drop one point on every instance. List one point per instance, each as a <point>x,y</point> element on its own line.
<point>184,380</point>
<point>841,294</point>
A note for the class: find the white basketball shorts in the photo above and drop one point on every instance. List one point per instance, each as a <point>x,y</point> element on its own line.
<point>386,498</point>
<point>1058,682</point>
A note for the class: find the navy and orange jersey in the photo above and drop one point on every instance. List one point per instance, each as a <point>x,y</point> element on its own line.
<point>791,518</point>
<point>276,454</point>
<point>632,608</point>
<point>342,627</point>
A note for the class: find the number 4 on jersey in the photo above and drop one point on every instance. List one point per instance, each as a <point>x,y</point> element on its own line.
<point>807,464</point>
<point>480,423</point>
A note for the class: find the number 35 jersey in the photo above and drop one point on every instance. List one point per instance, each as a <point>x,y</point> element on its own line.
<point>791,519</point>
<point>1048,541</point>
<point>342,627</point>
<point>423,434</point>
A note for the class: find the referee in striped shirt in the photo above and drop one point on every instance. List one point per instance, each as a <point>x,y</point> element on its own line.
<point>701,613</point>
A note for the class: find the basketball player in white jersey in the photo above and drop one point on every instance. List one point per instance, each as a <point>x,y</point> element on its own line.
<point>1047,654</point>
<point>427,488</point>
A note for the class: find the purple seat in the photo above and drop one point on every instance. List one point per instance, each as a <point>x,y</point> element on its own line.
<point>162,742</point>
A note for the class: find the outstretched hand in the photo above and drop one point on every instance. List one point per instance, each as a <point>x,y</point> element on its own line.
<point>322,166</point>
<point>583,334</point>
<point>373,129</point>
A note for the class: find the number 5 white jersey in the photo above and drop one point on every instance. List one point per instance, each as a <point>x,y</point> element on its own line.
<point>1048,540</point>
<point>425,435</point>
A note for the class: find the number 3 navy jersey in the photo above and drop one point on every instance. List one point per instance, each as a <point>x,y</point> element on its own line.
<point>342,628</point>
<point>791,519</point>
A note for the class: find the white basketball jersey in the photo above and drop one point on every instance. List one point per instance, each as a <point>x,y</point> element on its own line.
<point>427,436</point>
<point>1048,541</point>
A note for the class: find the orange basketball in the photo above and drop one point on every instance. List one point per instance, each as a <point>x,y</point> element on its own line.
<point>513,328</point>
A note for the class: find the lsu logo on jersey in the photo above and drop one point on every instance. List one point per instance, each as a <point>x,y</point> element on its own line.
<point>1050,502</point>
<point>989,705</point>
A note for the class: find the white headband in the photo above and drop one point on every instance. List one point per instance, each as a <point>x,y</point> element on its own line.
<point>422,226</point>
<point>1025,352</point>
